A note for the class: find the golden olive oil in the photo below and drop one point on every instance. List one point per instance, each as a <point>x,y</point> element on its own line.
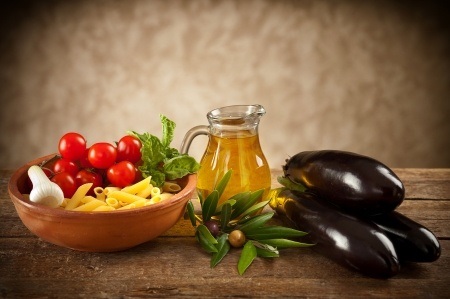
<point>241,152</point>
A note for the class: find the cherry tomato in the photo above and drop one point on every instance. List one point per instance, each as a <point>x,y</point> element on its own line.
<point>84,161</point>
<point>102,155</point>
<point>85,176</point>
<point>139,176</point>
<point>72,146</point>
<point>121,174</point>
<point>129,149</point>
<point>64,165</point>
<point>66,182</point>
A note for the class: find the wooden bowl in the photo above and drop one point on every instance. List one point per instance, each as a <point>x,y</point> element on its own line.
<point>97,231</point>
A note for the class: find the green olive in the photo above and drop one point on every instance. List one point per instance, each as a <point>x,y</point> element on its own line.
<point>236,238</point>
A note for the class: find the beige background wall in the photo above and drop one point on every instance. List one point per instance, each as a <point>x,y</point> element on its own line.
<point>365,76</point>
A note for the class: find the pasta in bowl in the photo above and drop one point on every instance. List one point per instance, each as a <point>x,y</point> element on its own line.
<point>98,231</point>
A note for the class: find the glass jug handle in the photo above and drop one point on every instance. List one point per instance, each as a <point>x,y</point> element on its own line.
<point>190,135</point>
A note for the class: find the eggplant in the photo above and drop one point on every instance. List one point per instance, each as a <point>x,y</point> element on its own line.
<point>357,184</point>
<point>348,240</point>
<point>412,241</point>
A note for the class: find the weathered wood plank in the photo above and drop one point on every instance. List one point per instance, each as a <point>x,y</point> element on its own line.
<point>177,266</point>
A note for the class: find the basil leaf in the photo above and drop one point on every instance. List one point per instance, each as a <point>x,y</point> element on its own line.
<point>180,166</point>
<point>255,222</point>
<point>248,254</point>
<point>209,205</point>
<point>168,128</point>
<point>273,232</point>
<point>284,243</point>
<point>223,246</point>
<point>159,160</point>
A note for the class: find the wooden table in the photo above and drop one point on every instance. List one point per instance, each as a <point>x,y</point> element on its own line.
<point>175,265</point>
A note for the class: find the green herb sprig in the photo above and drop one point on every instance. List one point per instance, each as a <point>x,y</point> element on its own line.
<point>240,212</point>
<point>161,161</point>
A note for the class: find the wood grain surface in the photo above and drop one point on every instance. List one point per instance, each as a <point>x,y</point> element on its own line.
<point>174,265</point>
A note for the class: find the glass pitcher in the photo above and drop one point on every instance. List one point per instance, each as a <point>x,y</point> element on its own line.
<point>233,144</point>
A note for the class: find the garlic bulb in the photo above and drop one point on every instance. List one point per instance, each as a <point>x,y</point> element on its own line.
<point>44,191</point>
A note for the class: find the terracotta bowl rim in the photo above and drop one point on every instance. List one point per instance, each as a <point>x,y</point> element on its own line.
<point>18,198</point>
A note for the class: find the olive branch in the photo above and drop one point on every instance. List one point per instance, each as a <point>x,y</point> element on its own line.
<point>239,222</point>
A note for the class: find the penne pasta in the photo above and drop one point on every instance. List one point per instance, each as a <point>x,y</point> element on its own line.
<point>103,209</point>
<point>155,192</point>
<point>165,195</point>
<point>171,187</point>
<point>89,206</point>
<point>155,199</point>
<point>130,206</point>
<point>88,198</point>
<point>100,193</point>
<point>112,202</point>
<point>124,196</point>
<point>73,202</point>
<point>140,203</point>
<point>110,198</point>
<point>137,187</point>
<point>146,192</point>
<point>110,189</point>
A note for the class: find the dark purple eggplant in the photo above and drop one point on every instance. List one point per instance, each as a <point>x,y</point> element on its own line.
<point>357,184</point>
<point>355,243</point>
<point>412,241</point>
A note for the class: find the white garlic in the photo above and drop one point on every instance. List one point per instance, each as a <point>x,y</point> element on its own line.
<point>44,191</point>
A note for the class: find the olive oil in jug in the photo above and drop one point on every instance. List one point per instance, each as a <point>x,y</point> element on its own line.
<point>233,144</point>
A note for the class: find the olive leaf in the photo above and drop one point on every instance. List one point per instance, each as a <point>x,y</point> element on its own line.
<point>266,253</point>
<point>222,184</point>
<point>206,233</point>
<point>191,213</point>
<point>255,222</point>
<point>242,204</point>
<point>254,209</point>
<point>209,205</point>
<point>273,232</point>
<point>225,215</point>
<point>223,246</point>
<point>206,245</point>
<point>284,243</point>
<point>248,254</point>
<point>244,212</point>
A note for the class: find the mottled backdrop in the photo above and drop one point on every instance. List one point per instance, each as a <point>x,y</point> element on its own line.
<point>365,76</point>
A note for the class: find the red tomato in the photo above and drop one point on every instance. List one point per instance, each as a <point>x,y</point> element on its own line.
<point>72,146</point>
<point>64,165</point>
<point>139,176</point>
<point>102,155</point>
<point>85,176</point>
<point>129,149</point>
<point>66,182</point>
<point>84,161</point>
<point>121,174</point>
